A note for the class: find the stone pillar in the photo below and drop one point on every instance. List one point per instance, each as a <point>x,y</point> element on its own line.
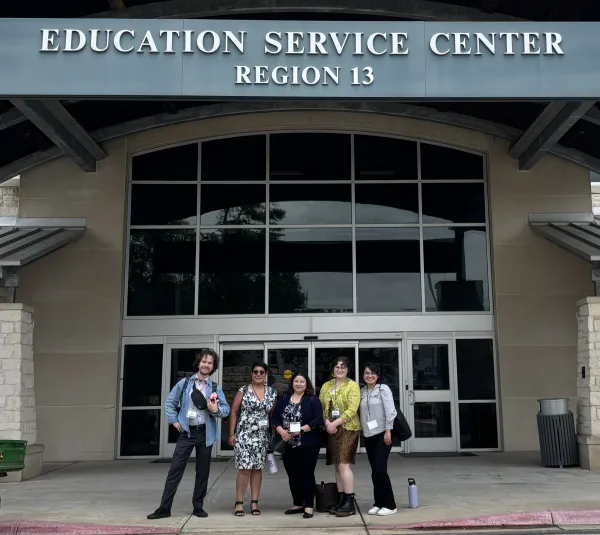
<point>17,395</point>
<point>588,382</point>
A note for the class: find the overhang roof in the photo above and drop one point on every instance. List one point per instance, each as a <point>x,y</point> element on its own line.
<point>577,233</point>
<point>34,132</point>
<point>23,241</point>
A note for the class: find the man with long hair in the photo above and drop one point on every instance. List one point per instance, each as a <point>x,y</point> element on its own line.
<point>192,408</point>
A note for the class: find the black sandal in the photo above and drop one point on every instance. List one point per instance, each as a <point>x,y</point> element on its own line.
<point>256,510</point>
<point>239,512</point>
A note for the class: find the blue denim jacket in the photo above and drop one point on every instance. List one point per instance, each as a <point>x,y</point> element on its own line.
<point>172,404</point>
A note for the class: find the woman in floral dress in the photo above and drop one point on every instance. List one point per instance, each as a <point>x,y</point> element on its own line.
<point>249,434</point>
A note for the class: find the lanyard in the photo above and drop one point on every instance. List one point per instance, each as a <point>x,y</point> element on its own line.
<point>369,402</point>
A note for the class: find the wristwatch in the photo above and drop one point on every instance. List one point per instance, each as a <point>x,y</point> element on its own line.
<point>302,431</point>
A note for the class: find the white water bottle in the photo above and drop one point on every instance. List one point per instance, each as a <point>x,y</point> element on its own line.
<point>272,462</point>
<point>413,494</point>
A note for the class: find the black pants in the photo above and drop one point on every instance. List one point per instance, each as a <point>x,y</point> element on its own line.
<point>378,453</point>
<point>183,450</point>
<point>300,464</point>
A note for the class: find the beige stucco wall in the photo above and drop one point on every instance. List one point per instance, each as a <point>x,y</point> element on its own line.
<point>77,292</point>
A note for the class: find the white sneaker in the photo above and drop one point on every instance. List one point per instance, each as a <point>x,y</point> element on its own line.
<point>386,512</point>
<point>374,510</point>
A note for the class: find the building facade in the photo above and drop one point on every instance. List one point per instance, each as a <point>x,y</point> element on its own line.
<point>297,233</point>
<point>141,289</point>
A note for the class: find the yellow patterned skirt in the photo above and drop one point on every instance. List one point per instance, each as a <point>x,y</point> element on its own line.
<point>341,447</point>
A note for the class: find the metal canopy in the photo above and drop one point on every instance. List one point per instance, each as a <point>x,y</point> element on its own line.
<point>577,233</point>
<point>23,241</point>
<point>33,133</point>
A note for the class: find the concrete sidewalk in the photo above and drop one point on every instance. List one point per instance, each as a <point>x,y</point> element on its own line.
<point>121,493</point>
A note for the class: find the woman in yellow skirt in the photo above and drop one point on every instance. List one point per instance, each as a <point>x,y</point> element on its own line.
<point>340,398</point>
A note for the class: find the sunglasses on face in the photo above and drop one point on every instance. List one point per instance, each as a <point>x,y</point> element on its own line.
<point>258,372</point>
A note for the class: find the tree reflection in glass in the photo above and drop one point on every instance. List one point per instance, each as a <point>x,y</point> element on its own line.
<point>233,266</point>
<point>161,272</point>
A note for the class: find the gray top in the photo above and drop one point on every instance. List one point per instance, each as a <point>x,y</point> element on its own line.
<point>377,405</point>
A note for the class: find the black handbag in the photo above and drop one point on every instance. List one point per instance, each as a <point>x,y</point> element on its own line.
<point>277,444</point>
<point>401,430</point>
<point>327,496</point>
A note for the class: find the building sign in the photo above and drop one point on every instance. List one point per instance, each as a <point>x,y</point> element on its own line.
<point>297,59</point>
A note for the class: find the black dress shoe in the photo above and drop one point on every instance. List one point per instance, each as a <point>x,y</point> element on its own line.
<point>295,511</point>
<point>159,513</point>
<point>200,513</point>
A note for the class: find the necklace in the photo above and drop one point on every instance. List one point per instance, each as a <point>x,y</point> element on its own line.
<point>297,398</point>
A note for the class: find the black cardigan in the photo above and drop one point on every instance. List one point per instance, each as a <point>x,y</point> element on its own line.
<point>312,415</point>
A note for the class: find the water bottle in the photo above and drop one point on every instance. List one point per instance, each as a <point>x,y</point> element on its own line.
<point>272,462</point>
<point>413,494</point>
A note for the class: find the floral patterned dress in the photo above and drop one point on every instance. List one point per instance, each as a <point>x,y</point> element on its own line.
<point>252,436</point>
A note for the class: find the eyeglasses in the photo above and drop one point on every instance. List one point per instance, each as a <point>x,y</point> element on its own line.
<point>258,372</point>
<point>340,368</point>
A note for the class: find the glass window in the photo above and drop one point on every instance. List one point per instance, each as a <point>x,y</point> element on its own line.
<point>475,369</point>
<point>142,375</point>
<point>478,425</point>
<point>162,264</point>
<point>140,432</point>
<point>444,163</point>
<point>310,204</point>
<point>236,367</point>
<point>430,367</point>
<point>177,163</point>
<point>163,204</point>
<point>453,203</point>
<point>384,158</point>
<point>232,272</point>
<point>388,275</point>
<point>240,204</point>
<point>234,159</point>
<point>310,156</point>
<point>433,420</point>
<point>291,359</point>
<point>456,269</point>
<point>310,270</point>
<point>387,203</point>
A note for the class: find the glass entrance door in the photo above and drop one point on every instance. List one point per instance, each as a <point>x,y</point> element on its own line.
<point>180,358</point>
<point>432,392</point>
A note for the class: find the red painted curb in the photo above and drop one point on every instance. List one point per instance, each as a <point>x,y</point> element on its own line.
<point>24,527</point>
<point>585,517</point>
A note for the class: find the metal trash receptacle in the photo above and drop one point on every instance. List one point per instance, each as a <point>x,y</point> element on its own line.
<point>557,435</point>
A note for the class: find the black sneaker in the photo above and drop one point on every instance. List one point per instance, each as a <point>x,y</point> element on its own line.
<point>200,513</point>
<point>159,513</point>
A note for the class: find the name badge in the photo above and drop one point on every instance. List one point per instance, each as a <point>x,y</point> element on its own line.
<point>372,425</point>
<point>263,423</point>
<point>295,427</point>
<point>335,414</point>
<point>192,414</point>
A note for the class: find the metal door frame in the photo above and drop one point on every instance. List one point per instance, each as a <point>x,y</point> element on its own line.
<point>167,449</point>
<point>413,447</point>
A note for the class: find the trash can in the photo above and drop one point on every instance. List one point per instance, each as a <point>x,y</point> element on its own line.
<point>12,456</point>
<point>557,435</point>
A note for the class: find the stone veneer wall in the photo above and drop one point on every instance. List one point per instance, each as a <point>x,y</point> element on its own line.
<point>17,395</point>
<point>588,387</point>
